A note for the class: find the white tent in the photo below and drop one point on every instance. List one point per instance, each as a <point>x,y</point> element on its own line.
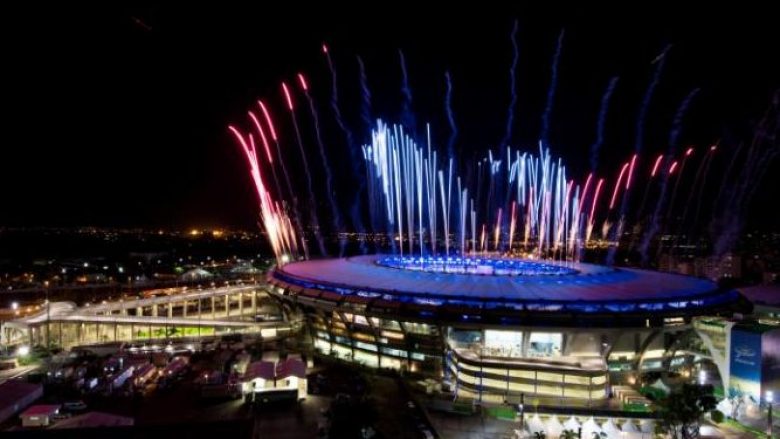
<point>554,427</point>
<point>589,427</point>
<point>647,426</point>
<point>725,406</point>
<point>572,424</point>
<point>610,429</point>
<point>536,425</point>
<point>628,427</point>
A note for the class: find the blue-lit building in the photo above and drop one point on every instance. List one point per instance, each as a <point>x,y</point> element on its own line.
<point>495,329</point>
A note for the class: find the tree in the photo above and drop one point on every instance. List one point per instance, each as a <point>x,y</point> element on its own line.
<point>569,434</point>
<point>737,400</point>
<point>682,411</point>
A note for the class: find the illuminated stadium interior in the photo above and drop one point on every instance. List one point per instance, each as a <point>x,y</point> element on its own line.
<point>494,329</point>
<point>474,265</point>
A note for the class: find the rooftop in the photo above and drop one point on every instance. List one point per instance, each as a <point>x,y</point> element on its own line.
<point>581,282</point>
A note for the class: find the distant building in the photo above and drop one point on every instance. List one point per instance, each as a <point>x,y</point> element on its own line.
<point>196,274</point>
<point>765,299</point>
<point>15,396</point>
<point>728,266</point>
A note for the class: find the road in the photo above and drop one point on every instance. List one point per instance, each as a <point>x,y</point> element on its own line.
<point>18,372</point>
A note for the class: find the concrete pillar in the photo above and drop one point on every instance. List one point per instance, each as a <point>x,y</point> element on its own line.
<point>240,303</point>
<point>139,311</point>
<point>254,301</point>
<point>170,310</point>
<point>199,309</point>
<point>213,307</point>
<point>184,310</point>
<point>154,310</point>
<point>227,305</point>
<point>123,312</point>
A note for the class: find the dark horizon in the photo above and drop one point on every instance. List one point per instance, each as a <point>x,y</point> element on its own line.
<point>119,116</point>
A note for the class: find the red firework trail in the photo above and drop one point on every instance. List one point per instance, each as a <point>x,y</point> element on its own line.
<point>585,191</point>
<point>241,140</point>
<point>267,116</point>
<point>595,199</point>
<point>673,167</point>
<point>302,81</point>
<point>656,165</point>
<point>262,137</point>
<point>617,186</point>
<point>631,171</point>
<point>287,96</point>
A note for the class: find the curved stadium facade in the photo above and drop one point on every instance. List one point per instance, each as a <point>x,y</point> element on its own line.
<point>495,328</point>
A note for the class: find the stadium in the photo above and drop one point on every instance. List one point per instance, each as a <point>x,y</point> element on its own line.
<point>499,329</point>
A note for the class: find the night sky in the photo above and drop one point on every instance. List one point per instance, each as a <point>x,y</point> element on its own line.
<point>118,117</point>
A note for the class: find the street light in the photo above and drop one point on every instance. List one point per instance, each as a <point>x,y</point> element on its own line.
<point>48,315</point>
<point>769,397</point>
<point>521,409</point>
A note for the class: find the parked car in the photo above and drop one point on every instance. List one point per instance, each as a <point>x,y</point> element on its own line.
<point>74,406</point>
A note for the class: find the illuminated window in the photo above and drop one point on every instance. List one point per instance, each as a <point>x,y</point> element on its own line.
<point>545,344</point>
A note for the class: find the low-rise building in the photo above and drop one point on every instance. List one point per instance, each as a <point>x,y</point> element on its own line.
<point>39,415</point>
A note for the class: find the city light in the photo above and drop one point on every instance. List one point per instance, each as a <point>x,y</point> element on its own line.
<point>23,351</point>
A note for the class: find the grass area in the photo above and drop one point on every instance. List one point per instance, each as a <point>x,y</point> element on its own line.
<point>637,408</point>
<point>175,331</point>
<point>653,393</point>
<point>502,412</point>
<point>747,429</point>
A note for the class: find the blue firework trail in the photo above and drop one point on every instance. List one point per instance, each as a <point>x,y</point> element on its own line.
<point>660,61</point>
<point>357,221</point>
<point>673,138</point>
<point>337,223</point>
<point>365,116</point>
<point>639,139</point>
<point>545,135</point>
<point>407,116</point>
<point>510,116</point>
<point>450,116</point>
<point>603,110</point>
<point>594,153</point>
<point>365,93</point>
<point>309,185</point>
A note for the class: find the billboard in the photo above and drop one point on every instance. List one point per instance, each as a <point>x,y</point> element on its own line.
<point>745,362</point>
